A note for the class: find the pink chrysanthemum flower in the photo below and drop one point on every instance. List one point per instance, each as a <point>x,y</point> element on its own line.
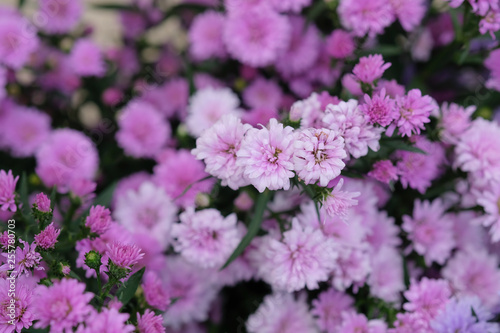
<point>67,156</point>
<point>99,219</point>
<point>490,23</point>
<point>409,12</point>
<point>154,292</point>
<point>7,191</point>
<point>302,259</point>
<point>493,64</point>
<point>490,201</point>
<point>256,37</point>
<point>42,202</point>
<point>26,260</point>
<point>427,297</point>
<point>24,130</point>
<point>380,109</point>
<point>206,238</point>
<point>23,306</point>
<point>340,44</point>
<point>370,68</point>
<point>262,93</point>
<point>413,111</point>
<point>430,230</point>
<point>60,16</point>
<point>266,155</point>
<point>309,111</point>
<point>207,106</point>
<point>386,278</point>
<point>175,91</point>
<point>142,130</point>
<point>474,272</point>
<point>384,171</point>
<point>328,309</point>
<point>178,171</point>
<point>338,202</point>
<point>454,121</point>
<point>303,49</point>
<point>318,155</point>
<point>366,16</point>
<point>18,40</point>
<point>47,239</point>
<point>87,59</point>
<point>410,322</point>
<point>294,6</point>
<point>353,322</point>
<point>347,120</point>
<point>107,321</point>
<point>477,151</point>
<point>62,305</point>
<point>281,313</point>
<point>150,323</point>
<point>218,147</point>
<point>205,36</point>
<point>147,210</point>
<point>124,255</point>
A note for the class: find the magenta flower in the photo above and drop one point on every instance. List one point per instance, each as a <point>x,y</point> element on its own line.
<point>370,68</point>
<point>154,292</point>
<point>62,305</point>
<point>150,323</point>
<point>353,322</point>
<point>42,202</point>
<point>7,191</point>
<point>99,219</point>
<point>47,239</point>
<point>454,121</point>
<point>338,202</point>
<point>409,12</point>
<point>107,321</point>
<point>124,255</point>
<point>366,16</point>
<point>59,16</point>
<point>427,296</point>
<point>294,6</point>
<point>205,36</point>
<point>384,171</point>
<point>18,40</point>
<point>413,111</point>
<point>262,93</point>
<point>328,308</point>
<point>380,109</point>
<point>27,259</point>
<point>340,44</point>
<point>24,306</point>
<point>266,155</point>
<point>318,155</point>
<point>87,59</point>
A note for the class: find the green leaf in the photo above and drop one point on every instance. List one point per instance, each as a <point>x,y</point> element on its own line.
<point>21,3</point>
<point>253,227</point>
<point>128,289</point>
<point>104,198</point>
<point>23,196</point>
<point>400,145</point>
<point>384,50</point>
<point>53,198</point>
<point>112,6</point>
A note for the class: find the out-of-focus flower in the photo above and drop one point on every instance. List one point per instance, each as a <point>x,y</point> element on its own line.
<point>366,16</point>
<point>59,16</point>
<point>7,189</point>
<point>328,309</point>
<point>384,171</point>
<point>87,59</point>
<point>205,36</point>
<point>340,44</point>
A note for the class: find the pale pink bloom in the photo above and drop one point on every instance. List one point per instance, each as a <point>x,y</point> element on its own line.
<point>207,106</point>
<point>382,230</point>
<point>205,81</point>
<point>380,108</point>
<point>490,201</point>
<point>23,307</point>
<point>328,308</point>
<point>67,156</point>
<point>62,305</point>
<point>42,203</point>
<point>294,6</point>
<point>309,111</point>
<point>340,44</point>
<point>366,16</point>
<point>7,191</point>
<point>99,219</point>
<point>131,182</point>
<point>430,230</point>
<point>409,12</point>
<point>218,147</point>
<point>280,312</point>
<point>392,88</point>
<point>318,155</point>
<point>427,297</point>
<point>18,40</point>
<point>266,155</point>
<point>384,171</point>
<point>179,171</point>
<point>262,93</point>
<point>353,265</point>
<point>206,238</point>
<point>148,210</point>
<point>454,121</point>
<point>413,111</point>
<point>467,232</point>
<point>47,239</point>
<point>87,59</point>
<point>370,68</point>
<point>155,293</point>
<point>353,322</point>
<point>58,16</point>
<point>410,322</point>
<point>205,36</point>
<point>338,202</point>
<point>124,255</point>
<point>142,130</point>
<point>348,121</point>
<point>474,272</point>
<point>150,323</point>
<point>302,259</point>
<point>256,37</point>
<point>386,279</point>
<point>26,260</point>
<point>107,321</point>
<point>490,23</point>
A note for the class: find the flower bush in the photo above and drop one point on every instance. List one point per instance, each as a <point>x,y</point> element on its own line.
<point>285,166</point>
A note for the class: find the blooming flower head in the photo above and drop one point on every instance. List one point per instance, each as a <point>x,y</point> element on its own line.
<point>474,272</point>
<point>281,313</point>
<point>380,109</point>
<point>340,44</point>
<point>384,171</point>
<point>62,305</point>
<point>154,292</point>
<point>183,177</point>
<point>430,230</point>
<point>490,23</point>
<point>150,323</point>
<point>48,237</point>
<point>413,111</point>
<point>338,202</point>
<point>318,155</point>
<point>205,36</point>
<point>309,111</point>
<point>67,156</point>
<point>60,15</point>
<point>427,296</point>
<point>348,121</point>
<point>99,219</point>
<point>262,93</point>
<point>266,155</point>
<point>328,309</point>
<point>107,321</point>
<point>7,189</point>
<point>207,106</point>
<point>370,68</point>
<point>205,238</point>
<point>26,260</point>
<point>409,12</point>
<point>87,59</point>
<point>23,309</point>
<point>454,121</point>
<point>355,322</point>
<point>218,146</point>
<point>18,40</point>
<point>365,16</point>
<point>256,37</point>
<point>143,132</point>
<point>42,202</point>
<point>386,279</point>
<point>490,201</point>
<point>124,255</point>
